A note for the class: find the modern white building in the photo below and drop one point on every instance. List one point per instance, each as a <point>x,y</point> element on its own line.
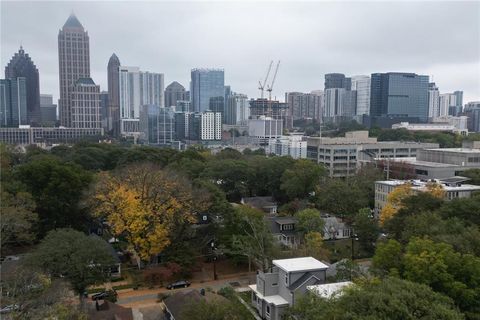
<point>138,88</point>
<point>293,146</point>
<point>237,110</point>
<point>340,103</point>
<point>441,124</point>
<point>433,100</point>
<point>445,101</point>
<point>453,187</point>
<point>265,128</point>
<point>329,290</point>
<point>361,84</point>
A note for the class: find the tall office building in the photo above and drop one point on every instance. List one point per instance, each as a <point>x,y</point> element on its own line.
<point>48,110</point>
<point>74,63</point>
<point>138,88</point>
<point>113,114</point>
<point>237,110</point>
<point>304,105</point>
<point>104,109</point>
<point>207,88</point>
<point>446,102</point>
<point>85,105</point>
<point>472,111</point>
<point>340,104</point>
<point>174,92</point>
<point>361,84</point>
<point>459,103</point>
<point>157,124</point>
<point>21,65</point>
<point>13,102</point>
<point>337,80</point>
<point>397,96</point>
<point>433,101</point>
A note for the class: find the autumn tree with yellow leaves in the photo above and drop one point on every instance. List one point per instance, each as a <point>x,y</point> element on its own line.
<point>146,205</point>
<point>396,197</point>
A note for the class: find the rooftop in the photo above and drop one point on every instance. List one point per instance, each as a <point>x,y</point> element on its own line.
<point>275,299</point>
<point>300,264</point>
<point>328,290</point>
<point>72,22</point>
<point>420,185</point>
<point>456,150</point>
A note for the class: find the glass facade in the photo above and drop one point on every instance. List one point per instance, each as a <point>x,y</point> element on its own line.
<point>399,95</point>
<point>13,102</point>
<point>157,124</point>
<point>207,88</point>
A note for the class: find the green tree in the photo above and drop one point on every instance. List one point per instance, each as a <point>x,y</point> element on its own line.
<point>313,245</point>
<point>57,189</point>
<point>467,209</point>
<point>69,254</point>
<point>331,197</point>
<point>366,227</point>
<point>473,174</point>
<point>310,220</point>
<point>300,181</point>
<point>215,309</point>
<point>388,257</point>
<point>390,298</point>
<point>230,175</point>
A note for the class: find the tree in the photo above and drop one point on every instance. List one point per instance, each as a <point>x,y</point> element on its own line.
<point>79,259</point>
<point>56,188</point>
<point>18,219</point>
<point>314,246</point>
<point>390,298</point>
<point>215,309</point>
<point>146,205</point>
<point>467,209</point>
<point>331,197</point>
<point>310,220</point>
<point>473,174</point>
<point>366,227</point>
<point>388,257</point>
<point>249,236</point>
<point>394,201</point>
<point>301,179</point>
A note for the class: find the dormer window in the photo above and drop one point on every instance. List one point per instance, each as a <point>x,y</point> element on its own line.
<point>287,226</point>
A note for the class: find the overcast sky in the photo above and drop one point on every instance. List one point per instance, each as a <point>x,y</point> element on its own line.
<point>440,39</point>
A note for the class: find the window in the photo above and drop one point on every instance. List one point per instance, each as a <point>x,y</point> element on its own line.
<point>268,311</point>
<point>286,279</point>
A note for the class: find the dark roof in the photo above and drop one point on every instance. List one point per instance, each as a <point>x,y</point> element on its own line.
<point>110,311</point>
<point>456,179</point>
<point>274,225</point>
<point>87,81</point>
<point>259,202</point>
<point>301,280</point>
<point>114,57</point>
<point>72,22</point>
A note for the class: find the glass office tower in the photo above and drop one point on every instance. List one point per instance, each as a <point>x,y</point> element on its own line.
<point>207,89</point>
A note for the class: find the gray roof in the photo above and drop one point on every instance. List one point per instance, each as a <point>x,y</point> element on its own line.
<point>72,22</point>
<point>275,222</point>
<point>86,81</point>
<point>301,280</point>
<point>259,202</point>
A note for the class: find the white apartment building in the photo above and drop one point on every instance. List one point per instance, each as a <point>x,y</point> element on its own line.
<point>138,88</point>
<point>433,101</point>
<point>293,146</point>
<point>211,125</point>
<point>445,101</point>
<point>361,84</point>
<point>453,187</point>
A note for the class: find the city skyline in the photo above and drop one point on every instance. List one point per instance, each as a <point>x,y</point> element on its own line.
<point>246,50</point>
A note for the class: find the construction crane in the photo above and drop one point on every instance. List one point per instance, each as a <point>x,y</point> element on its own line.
<point>262,86</point>
<point>270,87</point>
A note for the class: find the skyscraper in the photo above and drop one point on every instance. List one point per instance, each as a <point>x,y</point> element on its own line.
<point>174,92</point>
<point>361,84</point>
<point>48,110</point>
<point>447,102</point>
<point>237,110</point>
<point>207,85</point>
<point>459,102</point>
<point>21,65</point>
<point>157,124</point>
<point>85,104</point>
<point>397,95</point>
<point>433,100</point>
<point>304,105</point>
<point>138,88</point>
<point>113,114</point>
<point>74,63</point>
<point>13,102</point>
<point>337,80</point>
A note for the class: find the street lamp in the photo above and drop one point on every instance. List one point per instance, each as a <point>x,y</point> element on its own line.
<point>353,237</point>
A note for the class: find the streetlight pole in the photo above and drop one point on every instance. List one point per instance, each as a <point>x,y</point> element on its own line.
<point>214,260</point>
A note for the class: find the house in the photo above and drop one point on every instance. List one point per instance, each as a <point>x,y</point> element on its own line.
<point>284,231</point>
<point>178,302</point>
<point>286,280</point>
<point>265,204</point>
<point>115,269</point>
<point>334,228</point>
<point>328,290</point>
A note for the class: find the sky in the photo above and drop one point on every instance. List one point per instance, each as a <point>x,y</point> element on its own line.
<point>439,39</point>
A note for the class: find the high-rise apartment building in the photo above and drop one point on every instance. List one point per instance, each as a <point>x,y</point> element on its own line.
<point>21,65</point>
<point>13,102</point>
<point>85,104</point>
<point>113,113</point>
<point>340,104</point>
<point>400,96</point>
<point>207,87</point>
<point>361,84</point>
<point>48,110</point>
<point>433,101</point>
<point>138,88</point>
<point>237,110</point>
<point>304,105</point>
<point>446,102</point>
<point>74,63</point>
<point>174,92</point>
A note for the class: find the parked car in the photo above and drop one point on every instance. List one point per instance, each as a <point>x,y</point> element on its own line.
<point>104,295</point>
<point>178,284</point>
